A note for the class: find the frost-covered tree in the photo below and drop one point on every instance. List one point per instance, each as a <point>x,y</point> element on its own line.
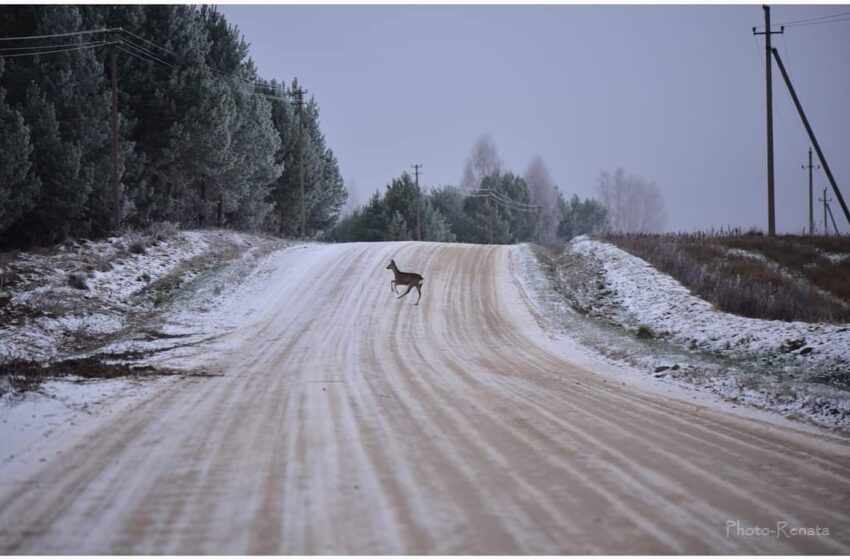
<point>435,226</point>
<point>449,201</point>
<point>61,202</point>
<point>71,83</point>
<point>398,229</point>
<point>400,198</point>
<point>19,186</point>
<point>246,185</point>
<point>632,204</point>
<point>200,141</point>
<point>323,185</point>
<point>543,193</point>
<point>483,160</point>
<point>580,217</point>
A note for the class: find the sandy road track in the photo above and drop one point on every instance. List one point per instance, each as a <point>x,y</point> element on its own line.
<point>346,421</point>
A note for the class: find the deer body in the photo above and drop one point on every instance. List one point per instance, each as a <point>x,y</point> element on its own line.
<point>409,279</point>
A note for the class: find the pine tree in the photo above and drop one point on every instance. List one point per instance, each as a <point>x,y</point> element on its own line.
<point>248,183</point>
<point>398,230</point>
<point>323,186</point>
<point>197,144</point>
<point>19,186</point>
<point>435,226</point>
<point>580,217</point>
<point>61,204</point>
<point>72,84</point>
<point>449,201</point>
<point>400,198</point>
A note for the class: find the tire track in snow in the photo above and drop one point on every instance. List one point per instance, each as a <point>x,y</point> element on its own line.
<point>348,421</point>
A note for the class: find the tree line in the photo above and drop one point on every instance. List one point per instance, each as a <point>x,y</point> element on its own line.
<point>203,139</point>
<point>491,205</point>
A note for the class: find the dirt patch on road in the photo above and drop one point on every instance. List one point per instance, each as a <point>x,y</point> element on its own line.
<point>20,376</point>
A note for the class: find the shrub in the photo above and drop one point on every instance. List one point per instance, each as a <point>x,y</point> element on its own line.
<point>160,231</point>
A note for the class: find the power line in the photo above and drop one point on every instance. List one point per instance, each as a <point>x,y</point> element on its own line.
<point>57,51</point>
<point>175,55</point>
<point>502,200</point>
<point>121,47</point>
<point>131,34</point>
<point>84,32</point>
<point>148,56</point>
<point>256,83</point>
<point>35,48</point>
<point>148,42</point>
<point>820,22</point>
<point>271,97</point>
<point>509,200</point>
<point>145,52</point>
<point>824,19</point>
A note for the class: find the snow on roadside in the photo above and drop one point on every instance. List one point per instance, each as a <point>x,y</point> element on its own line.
<point>205,272</point>
<point>609,294</point>
<point>196,328</point>
<point>643,296</point>
<point>56,403</point>
<point>45,315</point>
<point>44,310</point>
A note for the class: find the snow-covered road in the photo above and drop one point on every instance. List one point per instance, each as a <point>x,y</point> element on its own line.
<point>346,421</point>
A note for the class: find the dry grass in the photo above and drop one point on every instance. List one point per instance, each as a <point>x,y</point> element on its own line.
<point>804,255</point>
<point>794,281</point>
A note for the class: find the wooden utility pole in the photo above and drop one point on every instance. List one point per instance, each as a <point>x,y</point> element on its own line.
<point>299,102</point>
<point>116,193</point>
<point>416,167</point>
<point>489,220</point>
<point>811,134</point>
<point>771,214</point>
<point>811,214</point>
<point>826,202</point>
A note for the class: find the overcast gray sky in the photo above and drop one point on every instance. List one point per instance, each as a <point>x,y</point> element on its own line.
<point>674,94</point>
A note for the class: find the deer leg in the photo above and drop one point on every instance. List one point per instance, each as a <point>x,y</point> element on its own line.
<point>392,286</point>
<point>419,289</point>
<point>409,287</point>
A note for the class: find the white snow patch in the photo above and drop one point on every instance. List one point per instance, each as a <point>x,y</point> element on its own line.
<point>31,427</point>
<point>740,359</point>
<point>651,298</point>
<point>49,311</point>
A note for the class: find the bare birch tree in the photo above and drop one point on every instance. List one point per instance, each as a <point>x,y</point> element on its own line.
<point>633,204</point>
<point>482,161</point>
<point>541,188</point>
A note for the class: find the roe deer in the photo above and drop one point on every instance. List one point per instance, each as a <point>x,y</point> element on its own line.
<point>409,279</point>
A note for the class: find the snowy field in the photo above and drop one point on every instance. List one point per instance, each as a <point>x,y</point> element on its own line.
<point>629,313</point>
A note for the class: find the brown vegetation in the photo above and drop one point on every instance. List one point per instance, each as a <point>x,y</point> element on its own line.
<point>788,278</point>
